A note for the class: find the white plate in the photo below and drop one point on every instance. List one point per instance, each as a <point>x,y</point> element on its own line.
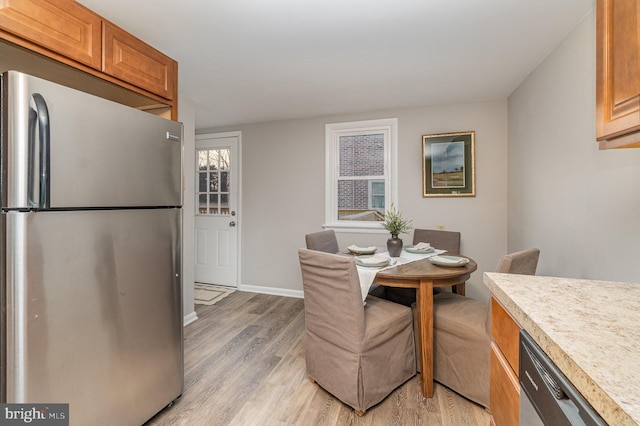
<point>451,261</point>
<point>411,249</point>
<point>359,262</point>
<point>362,250</point>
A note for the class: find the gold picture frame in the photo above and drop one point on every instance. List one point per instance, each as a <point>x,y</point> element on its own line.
<point>449,165</point>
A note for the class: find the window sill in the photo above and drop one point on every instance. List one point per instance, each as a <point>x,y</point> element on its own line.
<point>357,227</point>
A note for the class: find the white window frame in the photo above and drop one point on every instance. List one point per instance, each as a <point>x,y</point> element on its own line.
<point>333,132</point>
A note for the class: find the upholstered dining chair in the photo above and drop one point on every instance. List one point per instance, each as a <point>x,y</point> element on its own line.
<point>357,352</point>
<point>462,334</point>
<point>444,240</point>
<point>325,241</point>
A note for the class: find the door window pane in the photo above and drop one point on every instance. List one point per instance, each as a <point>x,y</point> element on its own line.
<point>203,161</point>
<point>224,182</point>
<point>203,207</point>
<point>213,159</point>
<point>224,154</point>
<point>202,182</point>
<point>213,204</point>
<point>213,183</point>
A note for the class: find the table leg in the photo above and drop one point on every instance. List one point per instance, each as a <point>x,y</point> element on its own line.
<point>459,289</point>
<point>424,303</point>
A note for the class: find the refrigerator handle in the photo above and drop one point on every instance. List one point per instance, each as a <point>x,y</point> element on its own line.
<point>45,145</point>
<point>33,117</point>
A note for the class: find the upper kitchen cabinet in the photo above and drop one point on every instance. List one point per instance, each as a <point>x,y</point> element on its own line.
<point>617,73</point>
<point>64,42</point>
<point>132,60</point>
<point>64,26</point>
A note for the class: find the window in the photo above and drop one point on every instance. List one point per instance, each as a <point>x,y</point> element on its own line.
<point>213,181</point>
<point>360,173</point>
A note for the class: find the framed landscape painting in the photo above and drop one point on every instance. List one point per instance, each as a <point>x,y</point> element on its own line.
<point>449,165</point>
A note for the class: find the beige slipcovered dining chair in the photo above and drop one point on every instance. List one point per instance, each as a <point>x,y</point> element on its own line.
<point>444,240</point>
<point>462,334</point>
<point>325,241</point>
<point>357,352</point>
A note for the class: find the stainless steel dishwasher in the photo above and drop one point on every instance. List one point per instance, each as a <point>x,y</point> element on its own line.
<point>546,395</point>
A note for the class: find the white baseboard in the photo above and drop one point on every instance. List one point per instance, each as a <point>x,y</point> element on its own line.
<point>272,290</point>
<point>188,319</point>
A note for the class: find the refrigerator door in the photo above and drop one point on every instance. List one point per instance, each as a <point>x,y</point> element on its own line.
<point>74,150</point>
<point>94,317</point>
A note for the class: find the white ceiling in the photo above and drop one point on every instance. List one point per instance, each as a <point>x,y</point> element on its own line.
<point>246,61</point>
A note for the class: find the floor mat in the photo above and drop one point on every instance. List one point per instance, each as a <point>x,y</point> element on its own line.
<point>205,294</point>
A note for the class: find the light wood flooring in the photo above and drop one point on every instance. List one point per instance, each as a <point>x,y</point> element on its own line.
<point>244,365</point>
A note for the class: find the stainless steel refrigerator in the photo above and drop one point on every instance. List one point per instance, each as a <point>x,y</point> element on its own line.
<point>91,296</point>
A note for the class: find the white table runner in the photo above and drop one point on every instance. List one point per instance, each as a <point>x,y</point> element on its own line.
<point>368,274</point>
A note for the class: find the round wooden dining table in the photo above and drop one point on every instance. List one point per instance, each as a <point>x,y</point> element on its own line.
<point>424,276</point>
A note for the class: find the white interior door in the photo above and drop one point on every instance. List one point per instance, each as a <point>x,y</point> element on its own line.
<point>217,216</point>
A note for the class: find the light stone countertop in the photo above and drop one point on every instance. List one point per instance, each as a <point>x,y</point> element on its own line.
<point>591,331</point>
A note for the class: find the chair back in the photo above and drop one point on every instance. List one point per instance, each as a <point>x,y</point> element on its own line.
<point>332,298</point>
<point>446,240</point>
<point>325,241</point>
<point>522,262</point>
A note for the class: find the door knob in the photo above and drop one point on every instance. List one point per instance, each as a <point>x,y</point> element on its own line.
<point>232,224</point>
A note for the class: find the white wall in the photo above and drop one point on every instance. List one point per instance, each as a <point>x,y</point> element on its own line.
<point>283,189</point>
<point>186,112</point>
<point>577,204</point>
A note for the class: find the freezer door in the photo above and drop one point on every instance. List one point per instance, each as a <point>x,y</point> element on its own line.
<point>75,150</point>
<point>94,312</point>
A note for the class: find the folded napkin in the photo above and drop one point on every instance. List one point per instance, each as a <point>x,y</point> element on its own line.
<point>449,260</point>
<point>354,247</point>
<point>422,246</point>
<point>373,260</point>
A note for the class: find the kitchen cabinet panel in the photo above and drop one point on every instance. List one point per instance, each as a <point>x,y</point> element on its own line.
<point>505,391</point>
<point>64,26</point>
<point>505,358</point>
<point>132,60</point>
<point>505,332</point>
<point>64,42</point>
<point>617,73</point>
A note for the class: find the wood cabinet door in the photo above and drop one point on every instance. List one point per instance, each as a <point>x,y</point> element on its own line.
<point>617,68</point>
<point>130,59</point>
<point>62,26</point>
<point>504,391</point>
<point>505,357</point>
<point>506,334</point>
